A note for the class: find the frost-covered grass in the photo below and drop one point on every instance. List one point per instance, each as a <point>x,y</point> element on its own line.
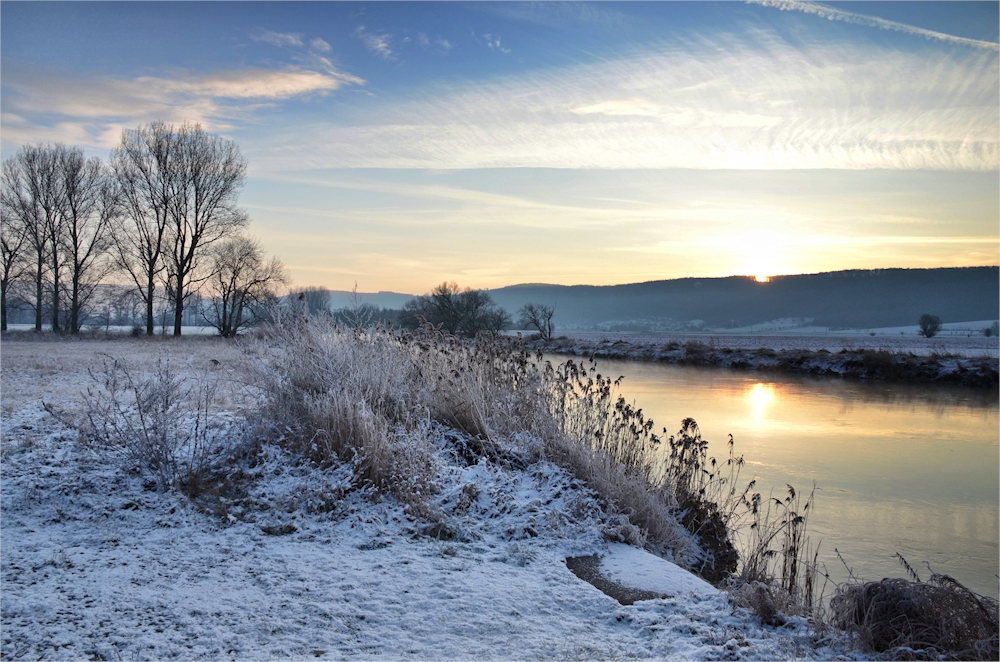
<point>294,555</point>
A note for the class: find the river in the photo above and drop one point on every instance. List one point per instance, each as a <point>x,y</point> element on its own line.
<point>913,470</point>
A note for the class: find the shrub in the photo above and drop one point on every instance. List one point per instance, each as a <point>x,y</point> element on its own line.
<point>158,422</point>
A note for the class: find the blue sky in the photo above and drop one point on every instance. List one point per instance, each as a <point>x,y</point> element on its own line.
<point>403,144</point>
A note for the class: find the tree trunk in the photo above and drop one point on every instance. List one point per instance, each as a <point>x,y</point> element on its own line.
<point>55,296</point>
<point>3,305</point>
<point>38,298</point>
<point>74,307</point>
<point>178,305</point>
<point>150,322</point>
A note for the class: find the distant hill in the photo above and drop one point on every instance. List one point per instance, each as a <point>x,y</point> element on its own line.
<point>838,299</point>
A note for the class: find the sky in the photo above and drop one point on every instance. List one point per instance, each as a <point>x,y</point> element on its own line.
<point>400,145</point>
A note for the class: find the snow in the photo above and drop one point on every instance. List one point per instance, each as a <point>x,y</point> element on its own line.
<point>638,569</point>
<point>97,564</point>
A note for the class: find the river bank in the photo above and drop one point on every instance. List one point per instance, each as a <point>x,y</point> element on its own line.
<point>287,558</point>
<point>963,362</point>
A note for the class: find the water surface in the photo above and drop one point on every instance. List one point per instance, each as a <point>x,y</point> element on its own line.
<point>914,470</point>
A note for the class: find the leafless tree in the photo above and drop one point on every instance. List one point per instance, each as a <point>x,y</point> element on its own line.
<point>144,166</point>
<point>90,201</point>
<point>13,242</point>
<point>31,194</point>
<point>538,316</point>
<point>241,282</point>
<point>460,312</point>
<point>478,312</point>
<point>207,179</point>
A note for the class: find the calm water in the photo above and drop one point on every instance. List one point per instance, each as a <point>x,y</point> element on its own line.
<point>897,469</point>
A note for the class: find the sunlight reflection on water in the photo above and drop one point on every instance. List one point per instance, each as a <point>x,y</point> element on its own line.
<point>898,468</point>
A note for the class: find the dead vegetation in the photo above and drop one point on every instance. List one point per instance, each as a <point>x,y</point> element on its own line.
<point>910,619</point>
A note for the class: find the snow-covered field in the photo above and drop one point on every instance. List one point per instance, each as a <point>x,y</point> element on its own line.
<point>96,564</point>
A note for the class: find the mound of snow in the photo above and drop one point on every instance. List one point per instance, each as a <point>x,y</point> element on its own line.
<point>638,569</point>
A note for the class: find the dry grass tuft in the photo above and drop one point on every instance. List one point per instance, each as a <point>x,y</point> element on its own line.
<point>902,619</point>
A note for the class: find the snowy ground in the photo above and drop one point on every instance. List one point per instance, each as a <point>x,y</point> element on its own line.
<point>96,564</point>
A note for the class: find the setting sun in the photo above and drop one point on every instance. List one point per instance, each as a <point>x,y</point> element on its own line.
<point>762,279</point>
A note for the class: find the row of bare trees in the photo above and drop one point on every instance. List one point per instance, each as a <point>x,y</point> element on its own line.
<point>161,214</point>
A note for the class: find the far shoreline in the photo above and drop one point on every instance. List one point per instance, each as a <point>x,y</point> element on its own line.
<point>854,358</point>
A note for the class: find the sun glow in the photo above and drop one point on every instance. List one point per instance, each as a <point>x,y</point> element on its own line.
<point>762,279</point>
<point>760,396</point>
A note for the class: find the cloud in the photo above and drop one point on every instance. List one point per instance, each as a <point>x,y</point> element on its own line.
<point>252,84</point>
<point>747,102</point>
<point>633,106</point>
<point>40,106</point>
<point>281,39</point>
<point>833,14</point>
<point>494,43</point>
<point>376,43</point>
<point>320,45</point>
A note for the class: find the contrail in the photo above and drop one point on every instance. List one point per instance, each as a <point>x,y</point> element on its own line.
<point>833,14</point>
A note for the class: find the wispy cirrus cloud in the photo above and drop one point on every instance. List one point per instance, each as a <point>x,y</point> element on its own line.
<point>834,14</point>
<point>281,39</point>
<point>320,45</point>
<point>380,44</point>
<point>749,102</point>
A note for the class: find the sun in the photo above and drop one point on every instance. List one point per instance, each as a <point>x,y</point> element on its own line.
<point>762,279</point>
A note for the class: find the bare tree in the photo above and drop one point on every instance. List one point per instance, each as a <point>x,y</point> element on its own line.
<point>31,195</point>
<point>537,316</point>
<point>460,312</point>
<point>90,201</point>
<point>929,324</point>
<point>478,312</point>
<point>144,166</point>
<point>207,179</point>
<point>241,282</point>
<point>13,241</point>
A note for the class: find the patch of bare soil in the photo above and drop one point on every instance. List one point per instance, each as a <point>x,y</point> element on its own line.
<point>588,569</point>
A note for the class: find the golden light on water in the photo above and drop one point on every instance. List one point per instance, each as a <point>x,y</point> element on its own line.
<point>760,396</point>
